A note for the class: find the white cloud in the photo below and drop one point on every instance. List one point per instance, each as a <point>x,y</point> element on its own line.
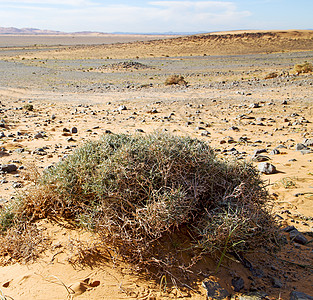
<point>157,16</point>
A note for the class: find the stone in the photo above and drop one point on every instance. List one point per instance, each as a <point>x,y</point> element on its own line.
<point>298,237</point>
<point>74,130</point>
<point>17,185</point>
<point>8,168</point>
<point>2,135</point>
<point>122,107</point>
<point>308,142</point>
<point>274,152</point>
<point>254,105</point>
<point>238,284</point>
<point>38,136</point>
<point>300,296</point>
<point>40,151</point>
<point>139,130</point>
<point>276,283</point>
<point>266,168</point>
<point>300,147</point>
<point>214,289</point>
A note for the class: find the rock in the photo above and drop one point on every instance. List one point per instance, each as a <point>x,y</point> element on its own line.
<point>274,152</point>
<point>276,283</point>
<point>70,139</point>
<point>215,291</point>
<point>66,130</point>
<point>2,135</point>
<point>251,296</point>
<point>308,142</point>
<point>303,152</point>
<point>38,136</point>
<point>300,296</point>
<point>40,151</point>
<point>300,147</point>
<point>298,237</point>
<point>288,228</point>
<point>254,105</point>
<point>8,168</point>
<point>139,130</point>
<point>238,284</point>
<point>17,185</point>
<point>260,158</point>
<point>74,130</point>
<point>259,151</point>
<point>122,107</point>
<point>266,168</point>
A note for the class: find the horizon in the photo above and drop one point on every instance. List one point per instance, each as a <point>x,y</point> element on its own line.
<point>148,17</point>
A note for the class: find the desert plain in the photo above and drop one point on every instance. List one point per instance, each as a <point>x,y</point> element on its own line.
<point>242,96</point>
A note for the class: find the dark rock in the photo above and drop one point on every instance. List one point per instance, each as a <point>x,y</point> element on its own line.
<point>300,147</point>
<point>300,296</point>
<point>215,291</point>
<point>74,130</point>
<point>276,283</point>
<point>66,130</point>
<point>38,136</point>
<point>289,228</point>
<point>238,284</point>
<point>259,151</point>
<point>298,237</point>
<point>40,151</point>
<point>139,130</point>
<point>8,168</point>
<point>2,135</point>
<point>260,158</point>
<point>266,168</point>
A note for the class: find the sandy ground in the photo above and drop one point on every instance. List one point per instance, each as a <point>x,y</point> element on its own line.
<point>236,111</point>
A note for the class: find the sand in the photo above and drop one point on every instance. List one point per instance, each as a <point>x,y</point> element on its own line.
<point>217,106</point>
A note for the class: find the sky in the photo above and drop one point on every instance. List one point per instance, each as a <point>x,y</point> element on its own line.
<point>156,16</point>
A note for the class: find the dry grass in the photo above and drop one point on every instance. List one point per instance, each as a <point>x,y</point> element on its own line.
<point>271,75</point>
<point>303,68</point>
<point>175,79</point>
<point>139,192</point>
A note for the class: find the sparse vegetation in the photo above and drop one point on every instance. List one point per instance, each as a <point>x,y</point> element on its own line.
<point>137,191</point>
<point>303,68</point>
<point>175,79</point>
<point>271,75</point>
<point>29,107</point>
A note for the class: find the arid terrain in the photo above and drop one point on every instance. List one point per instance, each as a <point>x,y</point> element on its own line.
<point>54,98</point>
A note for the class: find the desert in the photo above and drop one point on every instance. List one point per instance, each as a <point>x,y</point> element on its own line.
<point>241,93</point>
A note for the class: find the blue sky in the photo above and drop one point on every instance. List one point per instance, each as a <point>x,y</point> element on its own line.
<point>156,15</point>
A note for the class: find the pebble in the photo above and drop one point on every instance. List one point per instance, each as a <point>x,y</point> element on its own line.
<point>300,147</point>
<point>238,284</point>
<point>74,130</point>
<point>214,289</point>
<point>298,237</point>
<point>300,296</point>
<point>266,168</point>
<point>8,168</point>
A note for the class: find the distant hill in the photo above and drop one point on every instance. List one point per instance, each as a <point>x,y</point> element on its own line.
<point>13,30</point>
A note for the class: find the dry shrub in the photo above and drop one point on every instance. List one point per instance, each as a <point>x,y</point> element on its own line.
<point>175,79</point>
<point>303,68</point>
<point>271,75</point>
<point>22,243</point>
<point>134,191</point>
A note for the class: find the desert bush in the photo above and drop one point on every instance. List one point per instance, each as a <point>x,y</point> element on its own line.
<point>29,107</point>
<point>175,79</point>
<point>271,75</point>
<point>135,190</point>
<point>303,68</point>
